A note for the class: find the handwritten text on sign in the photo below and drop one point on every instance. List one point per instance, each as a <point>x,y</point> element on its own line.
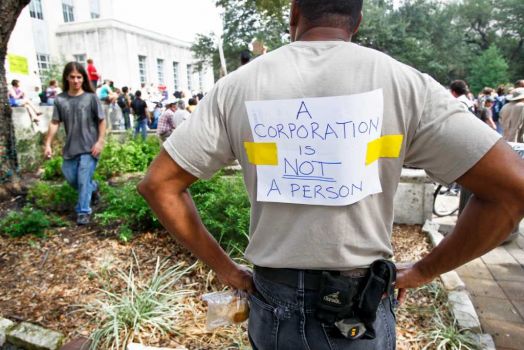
<point>313,150</point>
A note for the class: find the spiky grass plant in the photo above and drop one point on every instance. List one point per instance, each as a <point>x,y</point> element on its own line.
<point>141,310</point>
<point>448,336</point>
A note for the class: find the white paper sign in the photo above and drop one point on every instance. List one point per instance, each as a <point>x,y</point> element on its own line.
<point>321,145</point>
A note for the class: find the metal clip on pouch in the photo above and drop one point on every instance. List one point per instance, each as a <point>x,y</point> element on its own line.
<point>351,305</point>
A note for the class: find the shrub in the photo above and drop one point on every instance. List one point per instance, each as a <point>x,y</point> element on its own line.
<point>124,206</point>
<point>29,221</point>
<point>224,207</point>
<point>54,197</point>
<point>133,155</point>
<point>53,168</point>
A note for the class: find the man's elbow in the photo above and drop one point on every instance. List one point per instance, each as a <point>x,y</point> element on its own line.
<point>513,202</point>
<point>519,202</point>
<point>145,188</point>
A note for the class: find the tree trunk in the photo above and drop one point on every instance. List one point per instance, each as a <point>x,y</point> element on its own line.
<point>9,12</point>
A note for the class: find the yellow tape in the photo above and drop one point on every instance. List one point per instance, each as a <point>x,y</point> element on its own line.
<point>262,153</point>
<point>388,146</point>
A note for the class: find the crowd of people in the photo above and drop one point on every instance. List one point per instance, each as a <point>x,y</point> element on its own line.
<point>501,108</point>
<point>146,109</point>
<point>150,107</point>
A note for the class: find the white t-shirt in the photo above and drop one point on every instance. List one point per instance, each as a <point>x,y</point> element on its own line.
<point>362,113</point>
<point>466,102</point>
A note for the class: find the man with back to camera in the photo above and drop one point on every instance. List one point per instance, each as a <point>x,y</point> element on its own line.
<point>459,89</point>
<point>143,117</point>
<point>512,116</point>
<point>322,134</point>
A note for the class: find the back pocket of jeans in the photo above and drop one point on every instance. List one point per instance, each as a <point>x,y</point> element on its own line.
<point>263,323</point>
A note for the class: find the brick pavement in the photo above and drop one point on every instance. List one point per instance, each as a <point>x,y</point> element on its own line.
<point>495,282</point>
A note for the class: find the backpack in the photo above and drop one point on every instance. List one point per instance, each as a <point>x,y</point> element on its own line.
<point>499,103</point>
<point>121,102</point>
<point>472,109</point>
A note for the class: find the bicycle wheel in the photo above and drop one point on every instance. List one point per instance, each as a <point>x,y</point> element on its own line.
<point>445,201</point>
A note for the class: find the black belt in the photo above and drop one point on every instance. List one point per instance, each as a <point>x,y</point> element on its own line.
<point>312,278</point>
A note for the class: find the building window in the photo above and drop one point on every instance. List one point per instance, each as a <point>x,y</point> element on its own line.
<point>190,78</point>
<point>142,70</point>
<point>94,6</point>
<point>68,11</point>
<point>43,62</point>
<point>81,58</point>
<point>175,76</point>
<point>35,9</point>
<point>160,70</point>
<point>201,80</point>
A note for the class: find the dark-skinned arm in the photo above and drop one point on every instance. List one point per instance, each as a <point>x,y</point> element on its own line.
<point>497,182</point>
<point>165,190</point>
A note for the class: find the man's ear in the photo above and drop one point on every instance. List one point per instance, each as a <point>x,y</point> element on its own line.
<point>294,16</point>
<point>357,25</point>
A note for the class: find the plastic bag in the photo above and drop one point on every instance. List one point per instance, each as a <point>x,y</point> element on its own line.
<point>225,308</point>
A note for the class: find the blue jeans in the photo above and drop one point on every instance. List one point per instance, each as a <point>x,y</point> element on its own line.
<point>79,172</point>
<point>283,318</point>
<point>141,126</point>
<point>127,122</point>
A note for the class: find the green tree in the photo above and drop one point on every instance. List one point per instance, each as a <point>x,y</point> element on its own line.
<point>244,20</point>
<point>510,40</point>
<point>494,22</point>
<point>488,69</point>
<point>420,33</point>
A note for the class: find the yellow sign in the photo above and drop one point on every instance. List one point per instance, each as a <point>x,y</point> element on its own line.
<point>261,153</point>
<point>387,146</point>
<point>18,64</point>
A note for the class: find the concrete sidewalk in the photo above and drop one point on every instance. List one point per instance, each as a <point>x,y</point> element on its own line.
<point>495,282</point>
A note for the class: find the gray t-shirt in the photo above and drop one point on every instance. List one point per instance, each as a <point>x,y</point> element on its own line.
<point>81,116</point>
<point>429,128</point>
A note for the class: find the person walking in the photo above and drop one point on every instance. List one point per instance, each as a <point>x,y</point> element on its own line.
<point>79,109</point>
<point>500,101</point>
<point>94,77</point>
<point>143,117</point>
<point>166,122</point>
<point>512,116</point>
<point>124,102</point>
<point>322,216</point>
<point>486,112</point>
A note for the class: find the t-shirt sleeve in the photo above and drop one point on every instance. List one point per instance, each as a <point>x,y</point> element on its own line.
<point>201,144</point>
<point>57,117</point>
<point>98,111</point>
<point>448,140</point>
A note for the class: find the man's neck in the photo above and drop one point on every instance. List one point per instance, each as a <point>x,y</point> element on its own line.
<point>324,34</point>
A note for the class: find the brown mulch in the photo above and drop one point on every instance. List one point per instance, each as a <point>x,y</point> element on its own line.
<point>44,281</point>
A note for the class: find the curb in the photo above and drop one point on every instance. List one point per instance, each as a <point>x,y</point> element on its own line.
<point>458,298</point>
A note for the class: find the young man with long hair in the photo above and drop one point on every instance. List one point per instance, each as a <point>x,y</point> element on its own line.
<point>81,112</point>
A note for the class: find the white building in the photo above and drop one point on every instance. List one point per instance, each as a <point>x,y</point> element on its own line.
<point>58,31</point>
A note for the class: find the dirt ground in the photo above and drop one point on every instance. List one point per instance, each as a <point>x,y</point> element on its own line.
<point>45,281</point>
